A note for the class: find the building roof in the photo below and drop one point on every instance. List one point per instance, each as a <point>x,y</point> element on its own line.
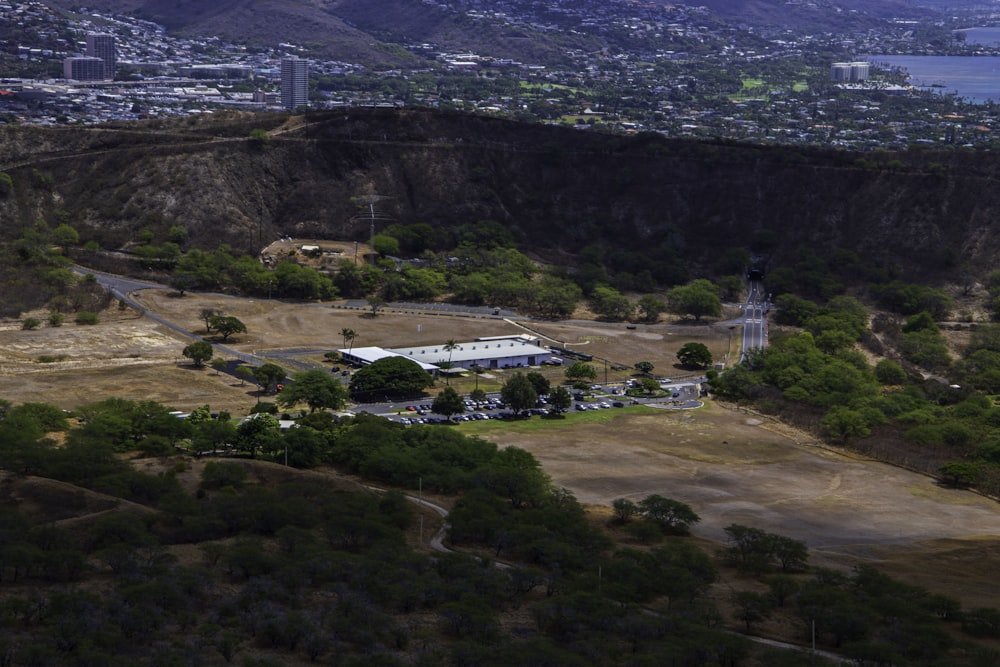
<point>491,348</point>
<point>371,354</point>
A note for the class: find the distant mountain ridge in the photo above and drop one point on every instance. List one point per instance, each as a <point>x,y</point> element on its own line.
<point>369,32</point>
<point>372,31</point>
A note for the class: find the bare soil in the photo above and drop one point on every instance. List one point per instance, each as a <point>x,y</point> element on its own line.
<point>731,467</point>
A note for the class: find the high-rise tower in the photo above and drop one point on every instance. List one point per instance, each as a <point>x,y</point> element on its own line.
<point>294,83</point>
<point>102,46</point>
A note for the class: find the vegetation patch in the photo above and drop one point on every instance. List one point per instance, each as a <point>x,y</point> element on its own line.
<point>51,358</point>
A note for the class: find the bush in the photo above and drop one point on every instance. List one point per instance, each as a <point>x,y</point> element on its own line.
<point>50,358</point>
<point>30,323</point>
<point>645,531</point>
<point>87,317</point>
<point>218,475</point>
<point>888,372</point>
<point>55,319</point>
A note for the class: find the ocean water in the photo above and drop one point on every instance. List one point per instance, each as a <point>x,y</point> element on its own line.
<point>974,78</point>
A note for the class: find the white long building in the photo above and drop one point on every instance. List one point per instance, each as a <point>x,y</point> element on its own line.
<point>490,352</point>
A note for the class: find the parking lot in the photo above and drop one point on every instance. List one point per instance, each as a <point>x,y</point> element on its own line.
<point>600,397</point>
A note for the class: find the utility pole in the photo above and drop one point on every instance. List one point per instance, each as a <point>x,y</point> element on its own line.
<point>371,217</point>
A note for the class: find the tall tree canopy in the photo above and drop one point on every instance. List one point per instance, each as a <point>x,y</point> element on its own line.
<point>316,389</point>
<point>390,378</point>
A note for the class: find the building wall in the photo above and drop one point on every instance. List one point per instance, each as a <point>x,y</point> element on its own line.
<point>859,71</point>
<point>84,69</point>
<point>294,83</point>
<point>840,72</point>
<point>103,47</point>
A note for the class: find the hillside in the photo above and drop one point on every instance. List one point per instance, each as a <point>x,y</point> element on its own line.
<point>650,200</point>
<point>370,32</point>
<point>373,32</point>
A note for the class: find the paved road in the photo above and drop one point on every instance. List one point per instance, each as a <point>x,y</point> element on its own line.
<point>122,288</point>
<point>755,319</point>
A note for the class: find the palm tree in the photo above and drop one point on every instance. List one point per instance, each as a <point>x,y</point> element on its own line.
<point>349,336</point>
<point>450,346</point>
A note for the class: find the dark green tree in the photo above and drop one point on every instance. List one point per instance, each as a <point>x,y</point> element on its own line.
<point>695,355</point>
<point>610,304</point>
<point>206,316</point>
<point>556,297</point>
<point>389,378</point>
<point>182,282</point>
<point>650,308</point>
<point>269,376</point>
<point>959,474</point>
<point>199,352</point>
<point>672,516</point>
<point>227,325</point>
<point>316,389</point>
<point>579,370</point>
<point>448,403</point>
<point>751,607</point>
<point>781,587</point>
<point>245,373</point>
<point>644,367</point>
<point>258,432</point>
<point>519,393</point>
<point>516,475</point>
<point>699,298</point>
<point>539,382</point>
<point>888,372</point>
<point>560,398</point>
<point>375,304</point>
<point>794,310</point>
<point>624,510</point>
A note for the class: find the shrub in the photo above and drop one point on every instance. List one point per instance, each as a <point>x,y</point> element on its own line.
<point>888,372</point>
<point>645,531</point>
<point>87,317</point>
<point>50,358</point>
<point>265,407</point>
<point>56,319</point>
<point>30,323</point>
<point>218,475</point>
